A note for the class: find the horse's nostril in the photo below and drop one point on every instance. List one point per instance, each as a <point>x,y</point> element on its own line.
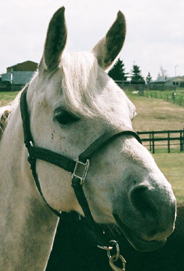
<point>141,200</point>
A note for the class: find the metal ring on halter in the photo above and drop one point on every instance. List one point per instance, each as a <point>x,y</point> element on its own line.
<point>113,266</point>
<point>115,256</point>
<point>105,247</point>
<point>81,169</point>
<point>108,248</point>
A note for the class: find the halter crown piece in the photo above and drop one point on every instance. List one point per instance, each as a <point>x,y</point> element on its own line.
<point>78,169</point>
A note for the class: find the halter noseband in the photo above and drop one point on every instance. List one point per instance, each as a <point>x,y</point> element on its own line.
<point>78,168</point>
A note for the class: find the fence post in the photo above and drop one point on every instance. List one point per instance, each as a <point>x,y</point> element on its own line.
<point>168,139</point>
<point>153,142</point>
<point>181,141</point>
<point>168,142</point>
<point>150,141</point>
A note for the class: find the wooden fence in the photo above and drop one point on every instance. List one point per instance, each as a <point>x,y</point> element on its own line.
<point>169,140</point>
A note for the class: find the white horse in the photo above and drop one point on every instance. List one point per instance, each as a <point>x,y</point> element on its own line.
<point>72,102</point>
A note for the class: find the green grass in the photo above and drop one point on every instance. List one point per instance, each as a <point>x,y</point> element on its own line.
<point>172,167</point>
<point>174,97</point>
<point>156,114</point>
<point>7,97</point>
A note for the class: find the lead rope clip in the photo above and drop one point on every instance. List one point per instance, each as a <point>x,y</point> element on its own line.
<point>114,258</point>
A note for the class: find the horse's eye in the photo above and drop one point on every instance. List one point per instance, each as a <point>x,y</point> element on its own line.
<point>64,117</point>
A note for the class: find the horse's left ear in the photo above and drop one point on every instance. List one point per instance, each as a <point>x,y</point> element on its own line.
<point>55,41</point>
<point>108,48</point>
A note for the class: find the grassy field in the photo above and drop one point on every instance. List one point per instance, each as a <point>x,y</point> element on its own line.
<point>156,114</point>
<point>175,96</point>
<point>153,114</point>
<point>6,97</point>
<point>172,167</point>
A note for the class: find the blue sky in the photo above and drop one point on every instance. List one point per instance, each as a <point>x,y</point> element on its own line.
<point>155,30</point>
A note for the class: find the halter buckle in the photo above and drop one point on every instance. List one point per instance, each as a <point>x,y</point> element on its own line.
<point>80,170</point>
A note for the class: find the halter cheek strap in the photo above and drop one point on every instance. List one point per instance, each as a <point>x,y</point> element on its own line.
<point>78,168</point>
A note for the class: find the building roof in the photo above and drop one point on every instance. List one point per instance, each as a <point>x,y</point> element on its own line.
<point>23,66</point>
<point>162,80</point>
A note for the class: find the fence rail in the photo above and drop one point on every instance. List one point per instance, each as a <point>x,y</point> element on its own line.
<point>163,140</point>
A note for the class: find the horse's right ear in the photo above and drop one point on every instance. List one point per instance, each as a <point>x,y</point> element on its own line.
<point>108,48</point>
<point>55,41</point>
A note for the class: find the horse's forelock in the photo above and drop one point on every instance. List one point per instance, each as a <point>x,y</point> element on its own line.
<point>79,81</point>
<point>83,83</point>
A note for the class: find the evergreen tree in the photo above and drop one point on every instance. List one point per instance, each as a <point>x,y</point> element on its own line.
<point>136,75</point>
<point>118,71</point>
<point>148,78</point>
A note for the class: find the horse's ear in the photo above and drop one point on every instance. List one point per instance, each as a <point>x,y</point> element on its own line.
<point>55,41</point>
<point>108,48</point>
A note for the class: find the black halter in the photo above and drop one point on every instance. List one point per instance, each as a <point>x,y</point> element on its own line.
<point>78,168</point>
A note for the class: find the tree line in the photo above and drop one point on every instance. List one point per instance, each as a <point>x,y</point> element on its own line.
<point>118,73</point>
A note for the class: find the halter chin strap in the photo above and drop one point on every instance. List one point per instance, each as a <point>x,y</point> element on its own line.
<point>78,168</point>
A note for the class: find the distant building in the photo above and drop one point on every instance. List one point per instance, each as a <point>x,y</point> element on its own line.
<point>18,75</point>
<point>168,83</point>
<point>24,66</point>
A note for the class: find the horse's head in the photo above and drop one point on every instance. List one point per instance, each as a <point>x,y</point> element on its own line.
<point>72,101</point>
